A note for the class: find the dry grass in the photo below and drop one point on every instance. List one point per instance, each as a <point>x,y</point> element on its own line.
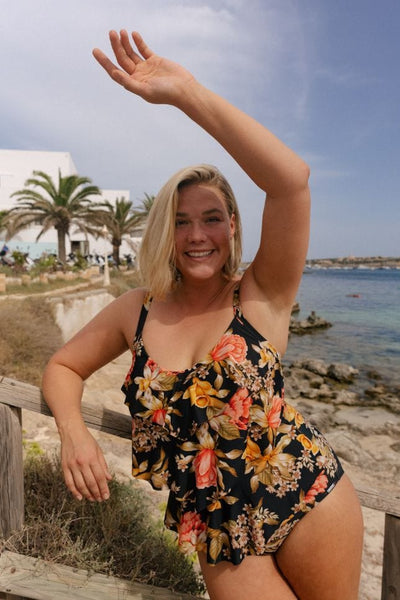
<point>28,333</point>
<point>28,337</point>
<point>117,537</point>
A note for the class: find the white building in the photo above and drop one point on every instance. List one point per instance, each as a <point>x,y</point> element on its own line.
<point>16,166</point>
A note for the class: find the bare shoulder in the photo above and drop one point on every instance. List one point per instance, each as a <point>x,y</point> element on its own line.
<point>126,310</point>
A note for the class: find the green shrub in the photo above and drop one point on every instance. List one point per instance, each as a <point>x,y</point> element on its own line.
<point>118,537</point>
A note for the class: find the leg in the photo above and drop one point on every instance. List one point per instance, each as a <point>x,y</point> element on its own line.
<point>321,558</point>
<point>256,578</point>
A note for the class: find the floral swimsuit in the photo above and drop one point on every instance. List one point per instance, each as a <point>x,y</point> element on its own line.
<point>241,464</point>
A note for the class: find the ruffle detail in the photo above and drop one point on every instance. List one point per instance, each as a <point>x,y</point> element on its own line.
<point>241,464</point>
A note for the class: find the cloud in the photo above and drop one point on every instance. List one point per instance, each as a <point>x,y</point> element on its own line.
<point>55,96</point>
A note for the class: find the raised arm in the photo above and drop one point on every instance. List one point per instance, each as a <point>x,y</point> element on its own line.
<point>275,168</point>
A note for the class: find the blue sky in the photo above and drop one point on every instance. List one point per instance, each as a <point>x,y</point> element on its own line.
<point>322,75</point>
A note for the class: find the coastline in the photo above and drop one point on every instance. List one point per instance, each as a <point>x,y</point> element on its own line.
<point>354,262</point>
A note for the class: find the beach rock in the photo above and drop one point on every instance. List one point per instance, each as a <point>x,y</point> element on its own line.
<point>295,308</point>
<point>315,365</point>
<point>308,325</point>
<point>342,373</point>
<point>346,397</point>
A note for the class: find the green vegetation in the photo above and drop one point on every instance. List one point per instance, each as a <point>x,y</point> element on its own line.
<point>118,537</point>
<point>58,205</point>
<point>119,219</point>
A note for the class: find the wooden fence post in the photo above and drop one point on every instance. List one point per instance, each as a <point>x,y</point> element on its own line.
<point>11,471</point>
<point>391,559</point>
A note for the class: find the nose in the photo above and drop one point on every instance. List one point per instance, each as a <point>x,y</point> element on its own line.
<point>196,232</point>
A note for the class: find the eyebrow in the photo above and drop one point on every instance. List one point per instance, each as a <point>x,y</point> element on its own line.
<point>205,212</point>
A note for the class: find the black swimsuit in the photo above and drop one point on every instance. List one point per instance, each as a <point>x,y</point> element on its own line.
<point>242,465</point>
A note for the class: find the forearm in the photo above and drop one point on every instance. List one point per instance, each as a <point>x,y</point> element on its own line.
<point>62,389</point>
<point>273,166</point>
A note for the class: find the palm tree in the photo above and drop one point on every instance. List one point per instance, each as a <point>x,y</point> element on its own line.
<point>119,219</point>
<point>3,214</point>
<point>50,205</point>
<point>143,210</point>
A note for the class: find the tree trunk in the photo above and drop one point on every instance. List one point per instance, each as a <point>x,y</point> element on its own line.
<point>116,244</point>
<point>62,255</point>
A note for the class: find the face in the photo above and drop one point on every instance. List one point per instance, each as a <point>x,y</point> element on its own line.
<point>203,230</point>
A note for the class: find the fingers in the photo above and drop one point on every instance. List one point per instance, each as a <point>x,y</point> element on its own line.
<point>141,46</point>
<point>89,482</point>
<point>104,61</point>
<point>124,53</point>
<point>87,477</point>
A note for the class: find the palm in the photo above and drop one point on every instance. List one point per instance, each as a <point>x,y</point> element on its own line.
<point>57,206</point>
<point>156,79</point>
<point>159,78</point>
<point>119,219</point>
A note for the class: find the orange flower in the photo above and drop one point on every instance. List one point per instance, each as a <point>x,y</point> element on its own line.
<point>318,487</point>
<point>238,408</point>
<point>230,346</point>
<point>205,467</point>
<point>159,416</point>
<point>274,413</point>
<point>192,532</point>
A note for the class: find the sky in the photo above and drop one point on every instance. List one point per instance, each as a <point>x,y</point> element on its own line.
<point>322,75</point>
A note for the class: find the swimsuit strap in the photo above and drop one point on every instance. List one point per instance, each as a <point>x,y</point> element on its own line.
<point>143,314</point>
<point>237,310</point>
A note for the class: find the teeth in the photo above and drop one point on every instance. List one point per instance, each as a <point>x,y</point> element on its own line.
<point>200,253</point>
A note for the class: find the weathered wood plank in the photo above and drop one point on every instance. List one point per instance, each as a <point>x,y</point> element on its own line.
<point>11,471</point>
<point>391,559</point>
<point>387,504</point>
<point>23,395</point>
<point>41,580</point>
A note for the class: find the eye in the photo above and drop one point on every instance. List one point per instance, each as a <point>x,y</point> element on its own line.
<point>213,219</point>
<point>181,222</point>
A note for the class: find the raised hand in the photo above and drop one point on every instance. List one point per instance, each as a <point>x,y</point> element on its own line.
<point>155,79</point>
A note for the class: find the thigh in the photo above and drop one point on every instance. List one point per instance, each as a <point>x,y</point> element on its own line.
<point>256,578</point>
<point>321,558</point>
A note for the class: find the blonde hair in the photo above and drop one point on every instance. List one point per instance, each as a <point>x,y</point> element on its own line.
<point>157,251</point>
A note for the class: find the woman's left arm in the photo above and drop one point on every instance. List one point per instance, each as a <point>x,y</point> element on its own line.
<point>276,270</point>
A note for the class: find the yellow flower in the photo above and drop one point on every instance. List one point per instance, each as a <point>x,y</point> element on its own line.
<point>307,443</point>
<point>200,393</point>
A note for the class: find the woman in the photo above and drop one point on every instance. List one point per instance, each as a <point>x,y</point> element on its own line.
<point>254,489</point>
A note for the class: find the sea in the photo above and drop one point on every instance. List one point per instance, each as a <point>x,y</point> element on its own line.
<point>363,306</point>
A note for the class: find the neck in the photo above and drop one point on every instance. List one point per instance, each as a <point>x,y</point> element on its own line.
<point>201,295</point>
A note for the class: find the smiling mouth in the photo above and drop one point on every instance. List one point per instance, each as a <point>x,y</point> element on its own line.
<point>199,253</point>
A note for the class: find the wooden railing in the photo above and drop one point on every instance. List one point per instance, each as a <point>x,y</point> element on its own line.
<point>15,396</point>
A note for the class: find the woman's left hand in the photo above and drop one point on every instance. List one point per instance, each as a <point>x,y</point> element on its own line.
<point>144,73</point>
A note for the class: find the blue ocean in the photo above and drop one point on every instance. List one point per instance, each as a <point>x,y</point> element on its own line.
<point>363,306</point>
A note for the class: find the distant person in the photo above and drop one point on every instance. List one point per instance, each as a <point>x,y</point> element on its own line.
<point>255,489</point>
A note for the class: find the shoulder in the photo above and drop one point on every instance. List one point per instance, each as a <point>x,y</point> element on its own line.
<point>123,313</point>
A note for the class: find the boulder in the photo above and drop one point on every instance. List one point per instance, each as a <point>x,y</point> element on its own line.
<point>342,373</point>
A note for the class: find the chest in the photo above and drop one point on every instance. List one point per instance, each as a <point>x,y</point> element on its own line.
<point>177,344</point>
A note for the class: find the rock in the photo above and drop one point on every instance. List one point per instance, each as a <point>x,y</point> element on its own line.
<point>295,308</point>
<point>342,373</point>
<point>308,325</point>
<point>376,391</point>
<point>373,374</point>
<point>319,367</point>
<point>346,397</point>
